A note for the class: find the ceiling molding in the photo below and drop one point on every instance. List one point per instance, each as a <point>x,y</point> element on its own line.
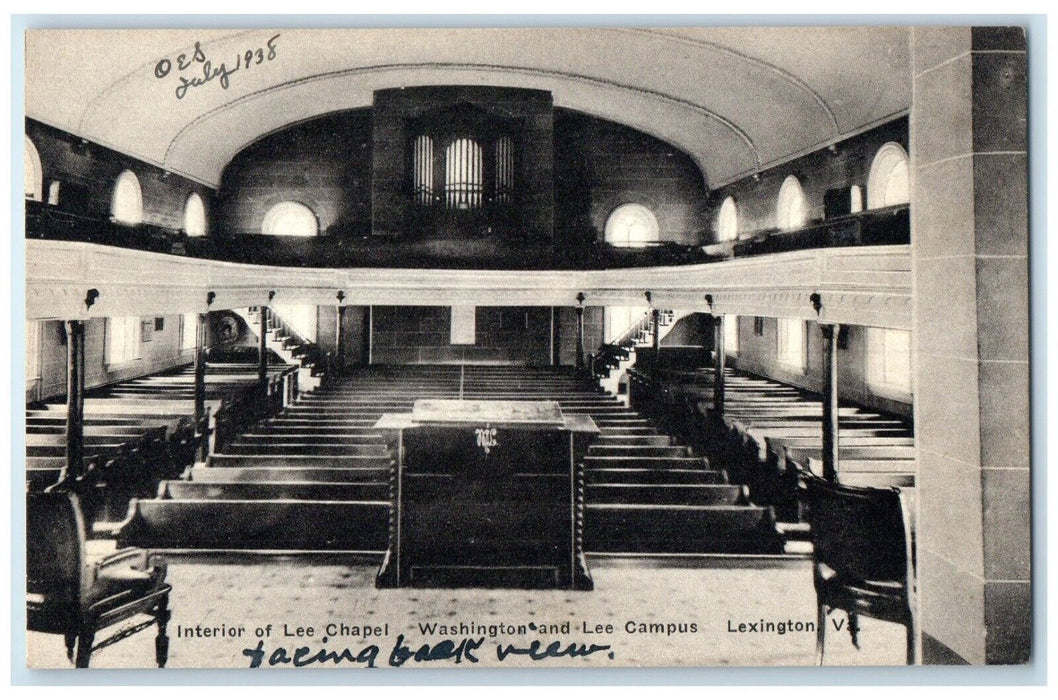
<point>784,74</point>
<point>485,67</point>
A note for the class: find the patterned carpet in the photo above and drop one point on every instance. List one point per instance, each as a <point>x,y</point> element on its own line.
<point>693,605</point>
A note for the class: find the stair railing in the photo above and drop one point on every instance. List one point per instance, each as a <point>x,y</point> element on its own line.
<point>609,355</point>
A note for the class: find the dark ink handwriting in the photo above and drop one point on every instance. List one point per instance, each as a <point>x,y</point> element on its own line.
<point>205,70</point>
<point>554,650</point>
<point>304,656</point>
<point>445,649</point>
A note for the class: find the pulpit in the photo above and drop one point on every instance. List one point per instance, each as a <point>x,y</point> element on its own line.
<point>486,493</point>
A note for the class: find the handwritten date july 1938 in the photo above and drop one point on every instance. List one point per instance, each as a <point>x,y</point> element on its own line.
<point>202,69</point>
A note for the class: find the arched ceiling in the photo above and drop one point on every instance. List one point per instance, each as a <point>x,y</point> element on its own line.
<point>737,100</point>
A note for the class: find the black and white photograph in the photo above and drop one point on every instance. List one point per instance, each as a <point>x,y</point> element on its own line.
<point>535,347</point>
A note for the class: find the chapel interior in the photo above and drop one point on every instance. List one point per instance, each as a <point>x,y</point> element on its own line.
<point>735,266</point>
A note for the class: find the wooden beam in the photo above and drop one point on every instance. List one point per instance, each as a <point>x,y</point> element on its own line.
<point>75,365</point>
<point>830,401</point>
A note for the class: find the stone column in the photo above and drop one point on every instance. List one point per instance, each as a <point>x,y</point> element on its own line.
<point>969,233</point>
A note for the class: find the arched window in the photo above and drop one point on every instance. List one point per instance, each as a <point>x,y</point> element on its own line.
<point>34,173</point>
<point>127,205</point>
<point>631,226</point>
<point>194,216</point>
<point>727,221</point>
<point>889,182</point>
<point>790,210</point>
<point>463,175</point>
<point>290,219</point>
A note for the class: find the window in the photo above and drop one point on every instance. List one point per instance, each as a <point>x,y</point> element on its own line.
<point>727,221</point>
<point>194,216</point>
<point>127,205</point>
<point>34,173</point>
<point>889,182</point>
<point>758,326</point>
<point>188,331</point>
<point>290,219</point>
<point>889,362</point>
<point>123,339</point>
<point>463,175</point>
<point>791,343</point>
<point>631,226</point>
<point>730,335</point>
<point>422,170</point>
<point>790,211</point>
<point>33,349</point>
<point>53,193</point>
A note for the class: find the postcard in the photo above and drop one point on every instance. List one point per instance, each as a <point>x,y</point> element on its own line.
<point>535,347</point>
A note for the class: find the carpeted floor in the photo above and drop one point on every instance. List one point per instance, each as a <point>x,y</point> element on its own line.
<point>693,606</point>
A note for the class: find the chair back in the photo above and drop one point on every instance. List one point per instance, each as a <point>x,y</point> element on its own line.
<point>858,532</point>
<point>55,549</point>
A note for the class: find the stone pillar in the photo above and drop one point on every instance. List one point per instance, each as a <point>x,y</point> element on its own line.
<point>719,360</point>
<point>830,401</point>
<point>74,399</point>
<point>969,233</point>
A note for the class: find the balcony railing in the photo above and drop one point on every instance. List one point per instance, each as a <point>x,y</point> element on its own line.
<point>888,226</point>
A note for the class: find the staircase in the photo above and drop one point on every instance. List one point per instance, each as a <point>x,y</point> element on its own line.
<point>609,363</point>
<point>285,342</point>
<point>316,476</point>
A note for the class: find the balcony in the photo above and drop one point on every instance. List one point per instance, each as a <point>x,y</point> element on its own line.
<point>500,251</point>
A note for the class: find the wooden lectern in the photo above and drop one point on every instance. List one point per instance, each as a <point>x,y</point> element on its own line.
<point>486,493</point>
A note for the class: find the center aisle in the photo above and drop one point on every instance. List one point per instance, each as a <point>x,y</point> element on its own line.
<point>316,476</point>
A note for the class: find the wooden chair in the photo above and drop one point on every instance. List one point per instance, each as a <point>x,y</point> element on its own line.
<point>863,558</point>
<point>69,594</point>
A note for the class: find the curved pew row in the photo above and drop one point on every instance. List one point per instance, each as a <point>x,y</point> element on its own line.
<point>644,493</point>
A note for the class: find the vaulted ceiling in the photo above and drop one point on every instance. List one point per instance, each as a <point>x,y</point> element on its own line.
<point>738,100</point>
